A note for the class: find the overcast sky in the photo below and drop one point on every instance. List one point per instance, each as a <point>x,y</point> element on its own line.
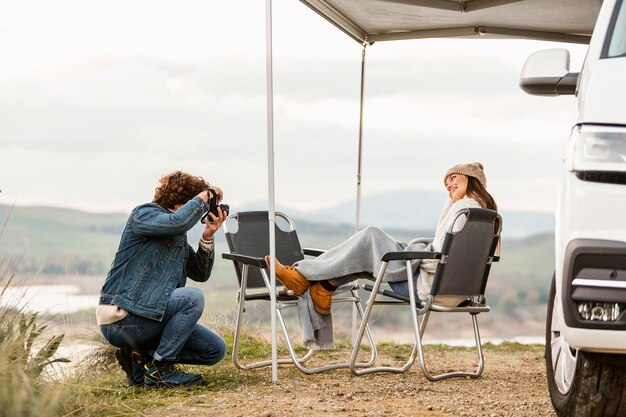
<point>98,99</point>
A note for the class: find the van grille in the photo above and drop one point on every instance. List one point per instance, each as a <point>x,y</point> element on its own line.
<point>607,177</point>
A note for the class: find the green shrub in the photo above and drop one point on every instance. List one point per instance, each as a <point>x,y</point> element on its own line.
<point>24,388</point>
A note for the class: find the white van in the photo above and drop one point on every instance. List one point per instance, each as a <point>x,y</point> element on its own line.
<point>586,319</point>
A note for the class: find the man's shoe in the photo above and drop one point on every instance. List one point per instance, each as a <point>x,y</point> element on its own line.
<point>132,364</point>
<point>322,298</point>
<point>166,375</point>
<point>290,277</point>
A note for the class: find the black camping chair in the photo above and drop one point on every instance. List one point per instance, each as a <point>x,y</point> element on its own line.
<point>248,244</point>
<point>462,272</point>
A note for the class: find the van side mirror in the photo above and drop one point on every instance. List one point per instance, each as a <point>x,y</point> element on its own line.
<point>546,73</point>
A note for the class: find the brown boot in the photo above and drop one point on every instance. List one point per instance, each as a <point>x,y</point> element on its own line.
<point>322,296</point>
<point>290,277</point>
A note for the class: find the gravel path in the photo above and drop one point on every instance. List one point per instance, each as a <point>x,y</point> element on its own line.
<point>513,384</point>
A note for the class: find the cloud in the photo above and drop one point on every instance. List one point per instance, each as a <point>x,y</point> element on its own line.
<point>97,101</point>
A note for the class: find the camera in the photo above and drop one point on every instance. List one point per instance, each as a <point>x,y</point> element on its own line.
<point>213,207</point>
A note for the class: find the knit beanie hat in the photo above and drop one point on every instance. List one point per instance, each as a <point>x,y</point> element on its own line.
<point>474,169</point>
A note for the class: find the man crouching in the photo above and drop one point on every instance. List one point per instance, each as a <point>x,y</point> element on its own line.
<point>145,309</point>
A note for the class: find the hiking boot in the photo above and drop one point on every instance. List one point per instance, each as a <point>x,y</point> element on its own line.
<point>132,363</point>
<point>322,296</point>
<point>166,375</point>
<point>290,277</point>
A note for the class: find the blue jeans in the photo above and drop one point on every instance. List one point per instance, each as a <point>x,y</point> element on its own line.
<point>399,287</point>
<point>177,338</point>
<point>402,287</point>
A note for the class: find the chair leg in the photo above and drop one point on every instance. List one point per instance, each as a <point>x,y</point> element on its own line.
<point>445,375</point>
<point>240,310</point>
<point>298,362</point>
<point>370,305</point>
<point>368,334</point>
<point>419,327</point>
<point>293,359</point>
<point>236,340</point>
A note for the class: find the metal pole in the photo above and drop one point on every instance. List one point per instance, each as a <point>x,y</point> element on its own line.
<point>360,155</point>
<point>270,182</point>
<point>357,225</point>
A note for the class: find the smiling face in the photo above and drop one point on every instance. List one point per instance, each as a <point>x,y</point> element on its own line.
<point>456,184</point>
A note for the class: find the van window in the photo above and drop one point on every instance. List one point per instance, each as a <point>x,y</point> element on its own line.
<point>617,43</point>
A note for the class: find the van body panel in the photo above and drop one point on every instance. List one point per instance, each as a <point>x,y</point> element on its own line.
<point>602,92</point>
<point>586,339</point>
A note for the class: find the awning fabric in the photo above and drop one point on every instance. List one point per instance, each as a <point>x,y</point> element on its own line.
<point>383,20</point>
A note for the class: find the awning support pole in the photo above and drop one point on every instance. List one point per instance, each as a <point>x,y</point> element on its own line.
<point>357,225</point>
<point>360,154</point>
<point>270,182</point>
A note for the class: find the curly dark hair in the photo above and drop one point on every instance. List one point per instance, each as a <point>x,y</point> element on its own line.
<point>178,188</point>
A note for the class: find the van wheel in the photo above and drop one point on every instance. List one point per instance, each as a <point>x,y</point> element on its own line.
<point>581,384</point>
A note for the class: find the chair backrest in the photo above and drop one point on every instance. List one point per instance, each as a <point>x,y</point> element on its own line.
<point>467,254</point>
<point>252,238</point>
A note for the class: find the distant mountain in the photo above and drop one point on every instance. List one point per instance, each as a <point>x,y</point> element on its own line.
<point>55,239</point>
<point>412,210</point>
<point>59,242</point>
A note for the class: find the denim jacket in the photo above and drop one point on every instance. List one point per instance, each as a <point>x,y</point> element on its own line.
<point>154,258</point>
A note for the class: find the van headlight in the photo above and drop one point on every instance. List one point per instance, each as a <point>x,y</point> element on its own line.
<point>599,311</point>
<point>598,153</point>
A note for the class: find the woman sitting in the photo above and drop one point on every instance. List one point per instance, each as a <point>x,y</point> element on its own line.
<point>360,255</point>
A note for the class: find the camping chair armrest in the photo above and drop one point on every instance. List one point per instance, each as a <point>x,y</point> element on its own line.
<point>408,255</point>
<point>249,260</point>
<point>312,251</point>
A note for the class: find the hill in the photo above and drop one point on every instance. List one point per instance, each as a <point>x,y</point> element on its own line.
<point>66,240</point>
<point>413,210</point>
<point>58,242</point>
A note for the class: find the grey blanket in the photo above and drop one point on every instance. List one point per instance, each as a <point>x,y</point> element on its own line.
<point>357,257</point>
<point>317,329</point>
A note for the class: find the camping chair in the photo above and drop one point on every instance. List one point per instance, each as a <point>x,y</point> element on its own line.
<point>462,270</point>
<point>248,245</point>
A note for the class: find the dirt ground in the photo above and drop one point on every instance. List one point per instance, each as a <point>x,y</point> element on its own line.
<point>513,384</point>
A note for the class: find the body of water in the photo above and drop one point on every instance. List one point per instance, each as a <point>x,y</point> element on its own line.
<point>55,299</point>
<point>65,299</point>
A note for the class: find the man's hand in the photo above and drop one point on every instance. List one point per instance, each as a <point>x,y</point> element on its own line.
<point>206,195</point>
<point>213,222</point>
<point>219,192</point>
<point>211,228</point>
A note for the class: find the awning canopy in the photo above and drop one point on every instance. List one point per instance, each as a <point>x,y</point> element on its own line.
<point>384,20</point>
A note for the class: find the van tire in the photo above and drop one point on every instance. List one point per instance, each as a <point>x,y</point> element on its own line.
<point>598,387</point>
